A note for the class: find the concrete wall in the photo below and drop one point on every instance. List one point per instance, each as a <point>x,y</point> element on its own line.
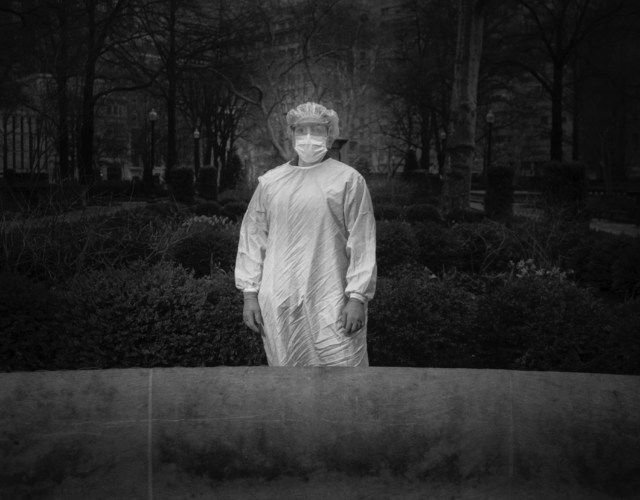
<point>318,433</point>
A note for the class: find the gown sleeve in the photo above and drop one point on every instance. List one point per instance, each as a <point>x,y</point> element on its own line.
<point>253,243</point>
<point>361,242</point>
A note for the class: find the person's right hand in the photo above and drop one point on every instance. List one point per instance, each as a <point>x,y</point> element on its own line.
<point>251,314</point>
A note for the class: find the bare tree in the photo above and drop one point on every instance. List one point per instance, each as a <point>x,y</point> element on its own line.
<point>550,36</point>
<point>417,72</point>
<point>310,50</point>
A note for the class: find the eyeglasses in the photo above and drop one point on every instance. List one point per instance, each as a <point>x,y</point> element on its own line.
<point>311,129</point>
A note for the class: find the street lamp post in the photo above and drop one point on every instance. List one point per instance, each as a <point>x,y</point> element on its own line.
<point>196,152</point>
<point>490,119</point>
<point>148,177</point>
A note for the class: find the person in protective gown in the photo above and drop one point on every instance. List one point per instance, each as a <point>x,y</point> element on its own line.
<point>306,260</point>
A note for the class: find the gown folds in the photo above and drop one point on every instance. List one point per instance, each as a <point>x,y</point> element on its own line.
<point>308,244</point>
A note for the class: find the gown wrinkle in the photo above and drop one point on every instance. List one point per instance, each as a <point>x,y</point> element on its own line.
<point>307,242</point>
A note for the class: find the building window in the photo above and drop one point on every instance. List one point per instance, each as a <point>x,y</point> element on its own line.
<point>544,134</point>
<point>385,11</point>
<point>544,120</point>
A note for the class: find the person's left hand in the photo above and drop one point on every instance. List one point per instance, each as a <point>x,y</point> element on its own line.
<point>352,317</point>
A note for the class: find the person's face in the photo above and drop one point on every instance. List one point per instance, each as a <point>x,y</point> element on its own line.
<point>303,130</point>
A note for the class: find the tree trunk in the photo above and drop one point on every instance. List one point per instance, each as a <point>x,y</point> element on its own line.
<point>87,127</point>
<point>171,93</point>
<point>209,145</point>
<point>556,112</point>
<point>62,67</point>
<point>461,136</point>
<point>5,147</point>
<point>577,103</point>
<point>425,138</point>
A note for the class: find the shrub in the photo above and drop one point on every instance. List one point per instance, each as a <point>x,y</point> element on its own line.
<point>114,189</point>
<point>410,164</point>
<point>389,212</point>
<point>438,248</point>
<point>182,186</point>
<point>482,247</point>
<point>41,198</point>
<point>395,245</point>
<point>207,242</point>
<point>418,320</point>
<point>232,173</point>
<point>207,208</point>
<point>539,321</point>
<point>155,315</point>
<point>498,199</point>
<point>207,181</point>
<point>243,192</point>
<point>53,250</point>
<point>165,210</point>
<point>625,272</point>
<point>423,213</point>
<point>235,210</point>
<point>619,346</point>
<point>548,241</point>
<point>564,187</point>
<point>29,337</point>
<point>458,216</point>
<point>390,192</point>
<point>594,257</point>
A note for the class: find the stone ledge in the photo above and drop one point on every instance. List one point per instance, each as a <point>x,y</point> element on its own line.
<point>339,433</point>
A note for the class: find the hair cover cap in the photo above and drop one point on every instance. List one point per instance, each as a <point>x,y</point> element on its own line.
<point>312,113</point>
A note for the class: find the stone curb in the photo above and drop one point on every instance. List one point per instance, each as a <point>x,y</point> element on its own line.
<point>312,433</point>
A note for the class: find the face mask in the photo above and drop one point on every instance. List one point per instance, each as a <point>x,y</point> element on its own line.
<point>311,148</point>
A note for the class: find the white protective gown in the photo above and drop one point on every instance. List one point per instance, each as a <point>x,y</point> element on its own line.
<point>308,243</point>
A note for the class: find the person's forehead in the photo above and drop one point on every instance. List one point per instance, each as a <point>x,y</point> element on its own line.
<point>312,127</point>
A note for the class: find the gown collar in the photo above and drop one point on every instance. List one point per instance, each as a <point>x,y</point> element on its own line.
<point>294,162</point>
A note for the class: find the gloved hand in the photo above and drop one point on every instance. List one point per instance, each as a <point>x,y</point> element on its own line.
<point>251,313</point>
<point>352,317</point>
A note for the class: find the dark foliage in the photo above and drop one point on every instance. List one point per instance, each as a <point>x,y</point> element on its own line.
<point>115,189</point>
<point>396,245</point>
<point>231,176</point>
<point>410,165</point>
<point>235,210</point>
<point>423,213</point>
<point>53,251</point>
<point>438,248</point>
<point>207,245</point>
<point>207,179</point>
<point>498,199</point>
<point>388,212</point>
<point>28,331</point>
<point>418,321</point>
<point>137,316</point>
<point>207,208</point>
<point>564,186</point>
<point>539,322</point>
<point>458,216</point>
<point>607,262</point>
<point>182,185</point>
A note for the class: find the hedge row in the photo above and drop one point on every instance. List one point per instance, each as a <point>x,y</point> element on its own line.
<point>56,251</point>
<point>146,315</point>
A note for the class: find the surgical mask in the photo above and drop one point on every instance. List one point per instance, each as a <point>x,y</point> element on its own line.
<point>311,148</point>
